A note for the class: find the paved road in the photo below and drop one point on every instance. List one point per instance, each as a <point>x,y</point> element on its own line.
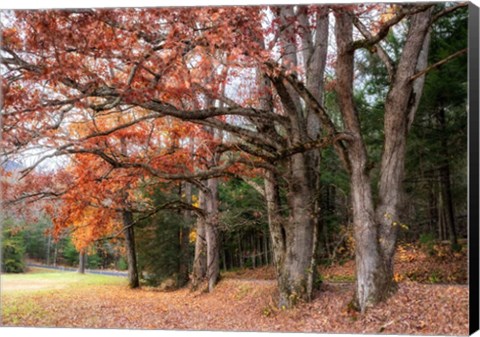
<point>89,271</point>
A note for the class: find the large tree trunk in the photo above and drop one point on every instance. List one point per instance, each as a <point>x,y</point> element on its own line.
<point>398,113</point>
<point>376,229</point>
<point>200,258</point>
<point>294,239</point>
<point>133,281</point>
<point>207,247</point>
<point>299,234</point>
<point>371,283</point>
<point>302,236</point>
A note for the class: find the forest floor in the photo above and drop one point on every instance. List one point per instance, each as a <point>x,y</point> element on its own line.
<point>432,264</point>
<point>245,301</point>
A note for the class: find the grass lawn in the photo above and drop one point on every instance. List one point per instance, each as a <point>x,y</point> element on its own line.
<point>38,279</point>
<point>20,292</point>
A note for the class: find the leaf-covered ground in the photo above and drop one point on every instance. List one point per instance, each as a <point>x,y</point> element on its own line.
<point>236,304</point>
<point>435,264</point>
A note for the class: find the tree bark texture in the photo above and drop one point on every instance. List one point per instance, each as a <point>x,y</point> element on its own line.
<point>398,111</point>
<point>294,239</point>
<point>375,228</point>
<point>133,280</point>
<point>371,280</point>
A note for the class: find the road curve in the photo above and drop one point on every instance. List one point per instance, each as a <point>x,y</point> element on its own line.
<point>88,271</point>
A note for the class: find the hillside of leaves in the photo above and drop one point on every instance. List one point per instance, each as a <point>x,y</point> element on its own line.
<point>432,263</point>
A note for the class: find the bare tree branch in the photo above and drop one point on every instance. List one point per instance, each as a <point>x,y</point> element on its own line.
<point>405,10</point>
<point>448,10</point>
<point>439,63</point>
<point>316,108</point>
<point>382,54</point>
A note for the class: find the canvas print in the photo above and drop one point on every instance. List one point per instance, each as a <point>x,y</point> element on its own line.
<point>275,168</point>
